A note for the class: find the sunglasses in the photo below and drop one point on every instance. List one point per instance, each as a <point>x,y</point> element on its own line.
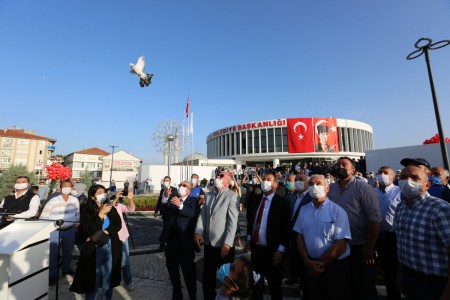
<point>184,185</point>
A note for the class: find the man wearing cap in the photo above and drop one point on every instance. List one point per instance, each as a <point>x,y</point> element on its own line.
<point>418,162</point>
<point>422,227</point>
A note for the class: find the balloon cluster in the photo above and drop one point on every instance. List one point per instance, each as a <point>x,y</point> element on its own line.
<point>435,140</point>
<point>57,172</point>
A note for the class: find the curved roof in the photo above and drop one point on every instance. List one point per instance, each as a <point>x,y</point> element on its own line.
<point>195,156</point>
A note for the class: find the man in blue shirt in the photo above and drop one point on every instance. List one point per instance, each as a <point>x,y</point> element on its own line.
<point>439,180</point>
<point>389,196</point>
<point>197,193</point>
<point>323,234</point>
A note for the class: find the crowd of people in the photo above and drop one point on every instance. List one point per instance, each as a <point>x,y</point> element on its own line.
<point>329,230</point>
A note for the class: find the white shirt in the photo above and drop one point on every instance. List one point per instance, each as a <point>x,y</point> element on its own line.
<point>321,226</point>
<point>33,207</point>
<point>388,204</point>
<point>263,226</point>
<point>297,202</point>
<point>57,209</point>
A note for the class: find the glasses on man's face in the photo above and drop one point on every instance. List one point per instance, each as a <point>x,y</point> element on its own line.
<point>184,185</point>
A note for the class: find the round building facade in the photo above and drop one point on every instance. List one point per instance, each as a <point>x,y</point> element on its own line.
<point>286,140</point>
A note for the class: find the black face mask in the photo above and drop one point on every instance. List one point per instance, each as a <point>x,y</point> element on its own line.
<point>341,173</point>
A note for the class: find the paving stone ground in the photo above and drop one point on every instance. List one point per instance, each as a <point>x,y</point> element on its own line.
<point>150,275</point>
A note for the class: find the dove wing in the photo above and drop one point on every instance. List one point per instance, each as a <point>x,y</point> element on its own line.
<point>141,63</point>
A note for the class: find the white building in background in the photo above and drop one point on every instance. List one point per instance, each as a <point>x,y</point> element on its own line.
<point>279,141</point>
<point>392,156</point>
<point>24,147</point>
<point>196,163</point>
<point>125,167</point>
<point>86,160</point>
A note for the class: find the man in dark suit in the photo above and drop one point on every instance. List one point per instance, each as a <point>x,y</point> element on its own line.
<point>269,229</point>
<point>168,192</point>
<point>177,235</point>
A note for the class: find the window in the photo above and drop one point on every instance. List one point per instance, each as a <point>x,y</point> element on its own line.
<point>278,142</point>
<point>249,142</point>
<point>285,141</point>
<point>238,143</point>
<point>264,140</point>
<point>270,139</point>
<point>256,141</point>
<point>232,138</point>
<point>244,142</point>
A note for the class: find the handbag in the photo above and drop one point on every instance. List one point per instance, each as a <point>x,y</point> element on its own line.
<point>100,238</point>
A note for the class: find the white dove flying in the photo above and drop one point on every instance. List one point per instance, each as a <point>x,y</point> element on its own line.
<point>145,79</point>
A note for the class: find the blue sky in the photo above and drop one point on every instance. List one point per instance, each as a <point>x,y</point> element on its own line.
<point>64,67</point>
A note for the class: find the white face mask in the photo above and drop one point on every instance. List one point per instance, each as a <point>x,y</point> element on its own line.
<point>266,186</point>
<point>166,184</point>
<point>218,183</point>
<point>299,185</point>
<point>182,191</point>
<point>193,181</point>
<point>100,198</point>
<point>317,191</point>
<point>21,186</point>
<point>383,178</point>
<point>66,190</point>
<point>409,188</point>
<point>74,193</point>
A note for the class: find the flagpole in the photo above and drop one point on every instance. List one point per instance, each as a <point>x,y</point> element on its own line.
<point>182,152</point>
<point>188,136</point>
<point>191,129</point>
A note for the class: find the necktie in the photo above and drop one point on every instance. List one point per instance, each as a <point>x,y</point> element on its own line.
<point>258,221</point>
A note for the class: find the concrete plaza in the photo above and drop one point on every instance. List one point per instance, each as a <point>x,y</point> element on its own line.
<point>150,275</point>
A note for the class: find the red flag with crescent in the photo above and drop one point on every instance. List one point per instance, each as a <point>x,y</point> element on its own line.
<point>300,135</point>
<point>325,135</point>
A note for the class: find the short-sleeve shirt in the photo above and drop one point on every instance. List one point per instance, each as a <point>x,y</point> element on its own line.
<point>423,235</point>
<point>321,226</point>
<point>360,202</point>
<point>196,192</point>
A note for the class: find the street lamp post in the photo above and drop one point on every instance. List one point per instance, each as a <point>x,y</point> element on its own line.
<point>112,160</point>
<point>169,138</point>
<point>421,50</point>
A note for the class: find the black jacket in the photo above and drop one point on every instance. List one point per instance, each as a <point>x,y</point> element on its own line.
<point>84,280</point>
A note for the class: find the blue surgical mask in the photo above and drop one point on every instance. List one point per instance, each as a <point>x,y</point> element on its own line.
<point>223,271</point>
<point>435,180</point>
<point>289,185</point>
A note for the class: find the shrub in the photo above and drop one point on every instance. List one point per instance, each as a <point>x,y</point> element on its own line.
<point>141,202</point>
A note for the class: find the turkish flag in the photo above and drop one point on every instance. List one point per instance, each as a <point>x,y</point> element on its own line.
<point>300,135</point>
<point>325,135</point>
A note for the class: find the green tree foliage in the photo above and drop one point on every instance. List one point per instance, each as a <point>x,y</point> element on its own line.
<point>8,178</point>
<point>86,178</point>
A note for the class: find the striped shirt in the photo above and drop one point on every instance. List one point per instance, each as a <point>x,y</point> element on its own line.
<point>57,209</point>
<point>423,235</point>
